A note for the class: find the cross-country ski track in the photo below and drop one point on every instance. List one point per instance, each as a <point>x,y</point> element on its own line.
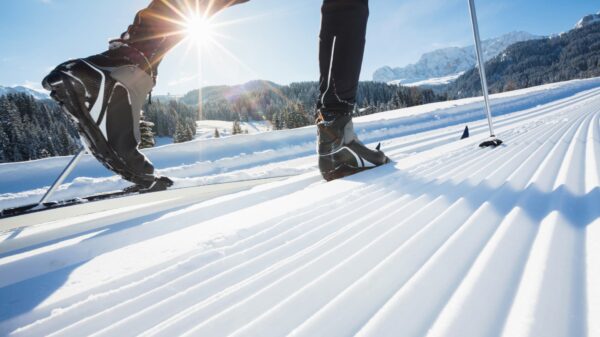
<point>449,240</point>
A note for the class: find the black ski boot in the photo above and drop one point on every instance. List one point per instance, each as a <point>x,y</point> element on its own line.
<point>104,95</point>
<point>340,152</point>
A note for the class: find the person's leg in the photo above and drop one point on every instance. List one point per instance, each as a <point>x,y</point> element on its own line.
<point>105,93</point>
<point>341,49</point>
<point>342,44</point>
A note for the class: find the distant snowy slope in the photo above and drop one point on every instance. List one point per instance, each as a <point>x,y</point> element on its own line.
<point>447,62</point>
<point>23,90</point>
<point>430,82</point>
<point>448,240</point>
<point>206,128</point>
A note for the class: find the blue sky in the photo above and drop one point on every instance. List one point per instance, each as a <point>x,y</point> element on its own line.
<point>266,39</point>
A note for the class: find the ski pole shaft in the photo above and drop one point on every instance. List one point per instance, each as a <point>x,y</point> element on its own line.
<point>481,62</point>
<point>61,178</point>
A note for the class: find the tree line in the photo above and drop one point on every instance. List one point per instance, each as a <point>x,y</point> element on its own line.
<point>292,106</point>
<point>171,119</point>
<point>31,129</point>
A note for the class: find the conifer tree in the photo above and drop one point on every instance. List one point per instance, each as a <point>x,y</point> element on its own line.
<point>236,129</point>
<point>4,141</point>
<point>189,133</point>
<point>179,136</point>
<point>147,135</point>
<point>64,141</point>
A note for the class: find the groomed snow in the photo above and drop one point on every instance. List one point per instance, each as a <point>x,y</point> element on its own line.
<point>449,240</point>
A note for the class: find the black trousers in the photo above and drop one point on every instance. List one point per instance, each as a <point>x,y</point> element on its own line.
<point>341,44</point>
<point>341,49</point>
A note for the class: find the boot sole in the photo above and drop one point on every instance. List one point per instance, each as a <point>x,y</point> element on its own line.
<point>63,92</point>
<point>344,171</point>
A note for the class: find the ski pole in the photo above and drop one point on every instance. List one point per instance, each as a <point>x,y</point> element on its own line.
<point>481,62</point>
<point>61,178</point>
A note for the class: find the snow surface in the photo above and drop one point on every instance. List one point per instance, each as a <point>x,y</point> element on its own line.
<point>429,82</point>
<point>449,240</point>
<point>206,128</point>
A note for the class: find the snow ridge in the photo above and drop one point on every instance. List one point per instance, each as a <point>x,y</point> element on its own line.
<point>588,20</point>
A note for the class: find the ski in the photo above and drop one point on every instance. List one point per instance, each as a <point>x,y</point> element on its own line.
<point>161,184</point>
<point>129,192</point>
<point>32,208</point>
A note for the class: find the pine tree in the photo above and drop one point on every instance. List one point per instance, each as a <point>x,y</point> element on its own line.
<point>4,143</point>
<point>18,138</point>
<point>217,134</point>
<point>179,136</point>
<point>236,129</point>
<point>189,133</point>
<point>147,135</point>
<point>63,140</point>
<point>43,153</point>
<point>183,133</point>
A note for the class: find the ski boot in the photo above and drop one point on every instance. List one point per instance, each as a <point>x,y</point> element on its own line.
<point>104,95</point>
<point>340,152</point>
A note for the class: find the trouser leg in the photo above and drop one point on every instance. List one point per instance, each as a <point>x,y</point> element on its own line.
<point>341,49</point>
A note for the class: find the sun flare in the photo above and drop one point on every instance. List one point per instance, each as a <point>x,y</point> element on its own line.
<point>199,29</point>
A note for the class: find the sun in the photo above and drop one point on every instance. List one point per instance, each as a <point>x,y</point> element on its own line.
<point>199,29</point>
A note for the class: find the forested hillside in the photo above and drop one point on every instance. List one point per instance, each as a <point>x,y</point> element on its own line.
<point>31,129</point>
<point>172,119</point>
<point>263,100</point>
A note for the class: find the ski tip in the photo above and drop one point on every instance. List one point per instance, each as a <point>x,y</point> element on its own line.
<point>378,147</point>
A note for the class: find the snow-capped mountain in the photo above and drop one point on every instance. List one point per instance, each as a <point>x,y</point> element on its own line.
<point>23,90</point>
<point>448,63</point>
<point>535,62</point>
<point>588,20</point>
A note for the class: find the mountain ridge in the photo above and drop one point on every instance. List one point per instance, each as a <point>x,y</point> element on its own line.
<point>38,95</point>
<point>448,62</point>
<point>588,20</point>
<point>571,55</point>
